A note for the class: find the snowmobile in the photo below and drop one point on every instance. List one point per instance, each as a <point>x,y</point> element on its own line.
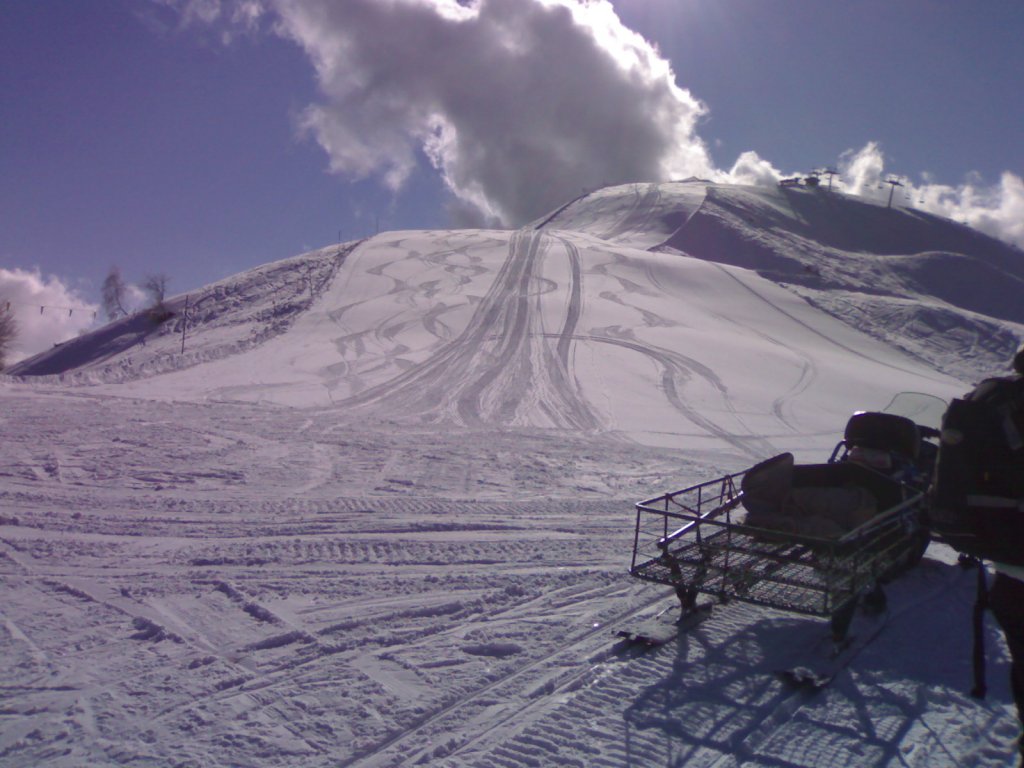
<point>815,539</point>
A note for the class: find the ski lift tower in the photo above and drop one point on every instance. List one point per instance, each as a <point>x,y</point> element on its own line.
<point>893,183</point>
<point>830,172</point>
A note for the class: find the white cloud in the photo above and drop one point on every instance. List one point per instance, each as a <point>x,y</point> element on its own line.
<point>996,210</point>
<point>518,103</point>
<point>45,310</point>
<point>199,11</point>
<point>233,17</point>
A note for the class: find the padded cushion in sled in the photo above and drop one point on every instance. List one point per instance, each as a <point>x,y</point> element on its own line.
<point>766,485</point>
<point>884,432</point>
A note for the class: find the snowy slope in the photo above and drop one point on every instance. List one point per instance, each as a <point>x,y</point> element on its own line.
<point>928,286</point>
<point>379,511</point>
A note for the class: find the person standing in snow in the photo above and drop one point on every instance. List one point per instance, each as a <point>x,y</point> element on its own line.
<point>978,507</point>
<point>1006,598</point>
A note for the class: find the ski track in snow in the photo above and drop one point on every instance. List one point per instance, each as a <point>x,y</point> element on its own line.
<point>500,364</point>
<point>827,339</point>
<point>147,614</point>
<point>382,516</point>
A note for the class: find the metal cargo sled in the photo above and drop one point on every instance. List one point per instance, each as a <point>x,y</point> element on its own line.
<point>712,538</point>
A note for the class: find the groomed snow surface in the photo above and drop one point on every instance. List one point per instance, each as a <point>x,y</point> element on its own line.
<point>373,506</point>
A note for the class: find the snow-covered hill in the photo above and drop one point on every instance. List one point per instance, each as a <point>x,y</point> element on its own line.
<point>373,505</point>
<point>653,310</point>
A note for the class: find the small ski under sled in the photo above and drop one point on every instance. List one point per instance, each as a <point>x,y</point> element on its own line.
<point>666,625</point>
<point>824,663</point>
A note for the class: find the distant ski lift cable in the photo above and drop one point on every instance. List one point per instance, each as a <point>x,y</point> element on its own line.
<point>44,307</point>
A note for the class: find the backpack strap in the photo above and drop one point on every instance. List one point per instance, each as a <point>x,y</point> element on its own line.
<point>1012,412</point>
<point>1007,396</point>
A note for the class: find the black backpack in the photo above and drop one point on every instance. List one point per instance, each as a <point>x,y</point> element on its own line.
<point>977,497</point>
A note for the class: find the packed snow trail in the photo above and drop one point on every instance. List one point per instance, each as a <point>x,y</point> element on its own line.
<point>711,699</point>
<point>183,599</point>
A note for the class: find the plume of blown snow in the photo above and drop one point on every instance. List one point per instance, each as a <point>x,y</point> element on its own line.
<point>750,168</point>
<point>996,210</point>
<point>46,311</point>
<point>862,170</point>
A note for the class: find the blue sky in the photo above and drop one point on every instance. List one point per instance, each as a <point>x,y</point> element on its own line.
<point>199,138</point>
<point>937,82</point>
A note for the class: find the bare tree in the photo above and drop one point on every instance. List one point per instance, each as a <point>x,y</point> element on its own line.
<point>156,287</point>
<point>8,330</point>
<point>114,290</point>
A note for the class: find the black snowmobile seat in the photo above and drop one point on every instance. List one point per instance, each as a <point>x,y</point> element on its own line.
<point>883,432</point>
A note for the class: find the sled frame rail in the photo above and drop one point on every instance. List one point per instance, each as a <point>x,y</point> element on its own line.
<point>696,541</point>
